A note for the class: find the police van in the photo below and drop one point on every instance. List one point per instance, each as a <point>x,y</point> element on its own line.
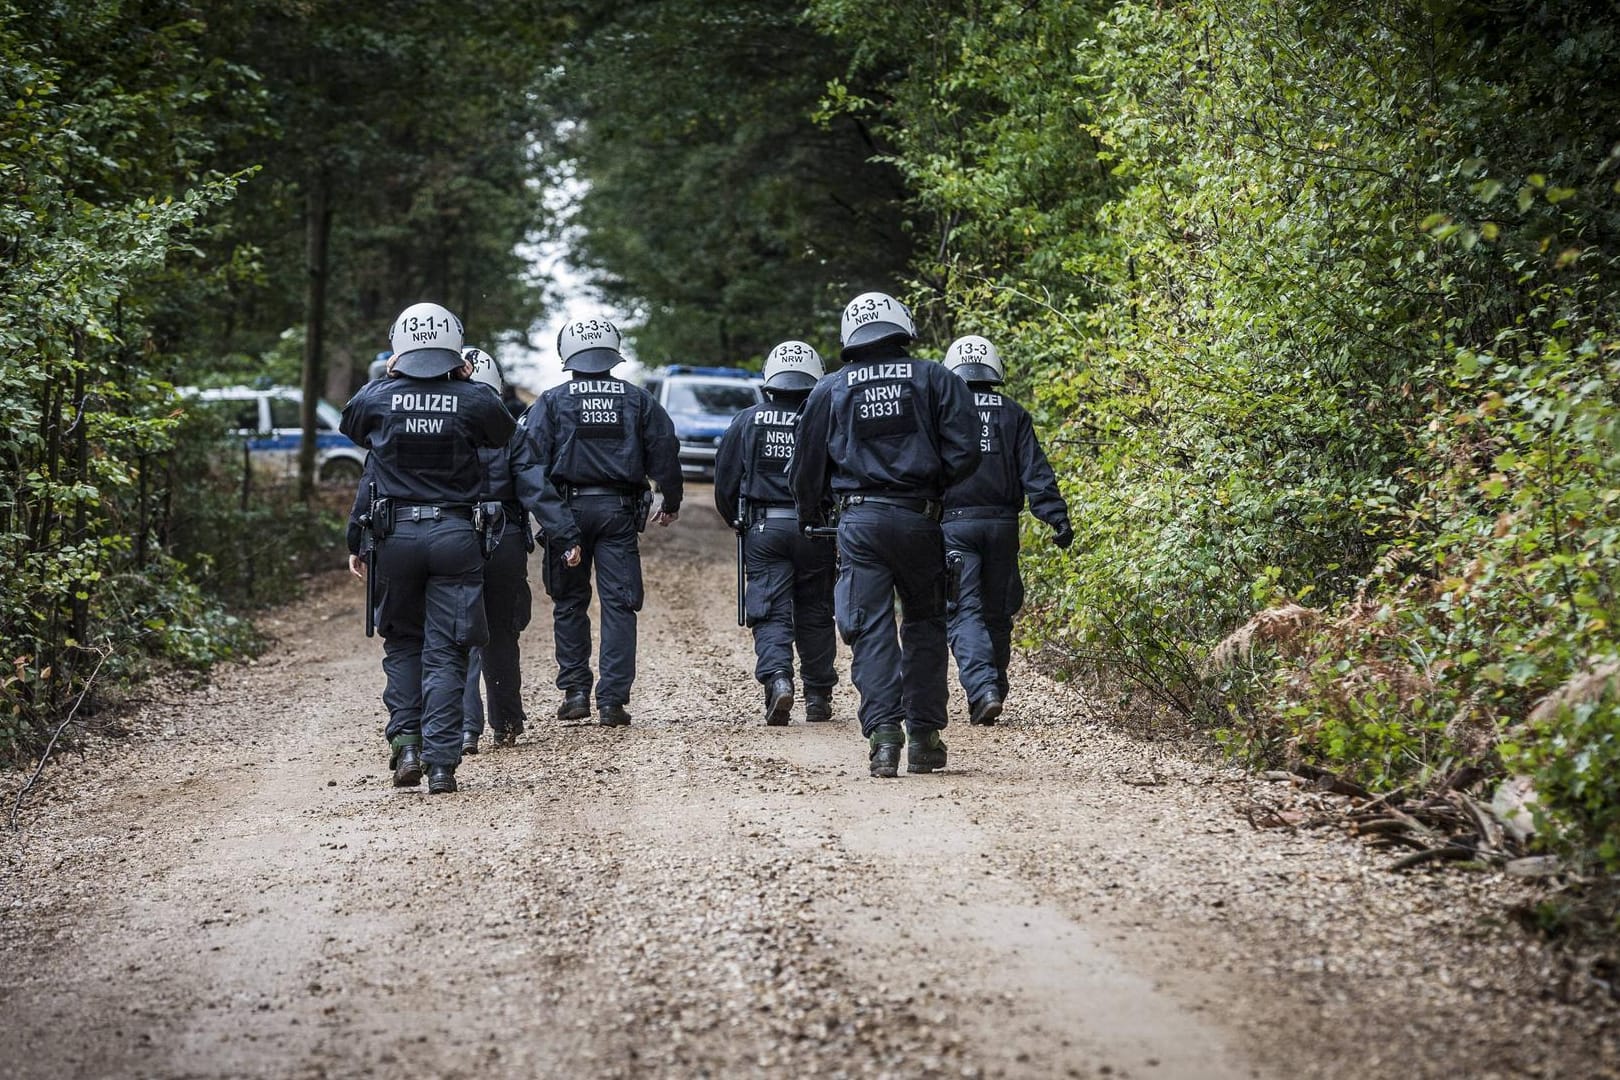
<point>701,401</point>
<point>268,421</point>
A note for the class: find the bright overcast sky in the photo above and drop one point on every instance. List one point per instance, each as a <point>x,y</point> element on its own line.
<point>537,367</point>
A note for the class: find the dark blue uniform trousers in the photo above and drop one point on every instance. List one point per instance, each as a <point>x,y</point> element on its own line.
<point>507,607</point>
<point>608,541</point>
<point>887,551</point>
<point>788,599</point>
<point>990,594</point>
<point>430,581</point>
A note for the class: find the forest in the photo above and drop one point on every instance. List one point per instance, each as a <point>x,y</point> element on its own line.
<point>1315,304</point>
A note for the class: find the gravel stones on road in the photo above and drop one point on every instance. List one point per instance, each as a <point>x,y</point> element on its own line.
<point>235,890</point>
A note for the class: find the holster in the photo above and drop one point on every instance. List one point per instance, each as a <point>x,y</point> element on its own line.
<point>376,522</point>
<point>489,521</point>
<point>953,576</point>
<point>643,509</point>
<point>381,522</point>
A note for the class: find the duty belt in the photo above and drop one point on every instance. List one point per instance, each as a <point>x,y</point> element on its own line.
<point>599,489</point>
<point>763,512</point>
<point>929,508</point>
<point>409,512</point>
<point>986,513</point>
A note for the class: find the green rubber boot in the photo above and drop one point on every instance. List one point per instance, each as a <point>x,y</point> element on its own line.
<point>926,752</point>
<point>406,760</point>
<point>886,741</point>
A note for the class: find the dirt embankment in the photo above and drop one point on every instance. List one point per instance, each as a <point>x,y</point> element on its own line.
<point>236,890</point>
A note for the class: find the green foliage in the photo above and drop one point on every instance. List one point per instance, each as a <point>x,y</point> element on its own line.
<point>95,212</point>
<point>110,114</point>
<point>1312,302</point>
<point>1395,381</point>
<point>242,539</point>
<point>712,205</point>
<point>978,109</point>
<point>1575,757</point>
<point>417,125</point>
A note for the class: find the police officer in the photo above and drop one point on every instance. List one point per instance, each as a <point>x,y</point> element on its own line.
<point>886,435</point>
<point>379,366</point>
<point>598,440</point>
<point>788,597</point>
<point>424,426</point>
<point>981,527</point>
<point>507,600</point>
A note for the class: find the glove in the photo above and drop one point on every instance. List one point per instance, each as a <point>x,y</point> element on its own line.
<point>1062,534</point>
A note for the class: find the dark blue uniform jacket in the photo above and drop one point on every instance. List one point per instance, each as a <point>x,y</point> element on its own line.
<point>884,423</point>
<point>753,457</point>
<point>424,436</point>
<point>1012,465</point>
<point>596,431</point>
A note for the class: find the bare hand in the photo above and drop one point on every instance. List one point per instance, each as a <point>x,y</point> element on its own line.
<point>357,567</point>
<point>571,556</point>
<point>665,518</point>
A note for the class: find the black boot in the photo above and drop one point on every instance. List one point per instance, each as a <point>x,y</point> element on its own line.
<point>441,779</point>
<point>925,752</point>
<point>817,706</point>
<point>985,711</point>
<point>506,738</point>
<point>576,706</point>
<point>886,741</point>
<point>469,743</point>
<point>778,699</point>
<point>407,765</point>
<point>613,716</point>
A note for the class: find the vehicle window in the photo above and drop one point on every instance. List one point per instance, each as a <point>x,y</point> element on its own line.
<point>284,413</point>
<point>713,399</point>
<point>236,415</point>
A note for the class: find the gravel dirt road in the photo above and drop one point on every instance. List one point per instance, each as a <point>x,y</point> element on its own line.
<point>235,889</point>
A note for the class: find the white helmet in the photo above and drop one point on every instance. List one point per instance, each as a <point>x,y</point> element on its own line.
<point>485,369</point>
<point>589,346</point>
<point>873,317</point>
<point>426,340</point>
<point>793,366</point>
<point>975,360</point>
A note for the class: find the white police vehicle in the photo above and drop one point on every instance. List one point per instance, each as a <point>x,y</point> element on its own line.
<point>701,401</point>
<point>267,419</point>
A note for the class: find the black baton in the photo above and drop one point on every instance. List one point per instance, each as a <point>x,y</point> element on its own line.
<point>371,559</point>
<point>742,581</point>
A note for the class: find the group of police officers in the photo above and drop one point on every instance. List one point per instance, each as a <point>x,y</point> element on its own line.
<point>893,477</point>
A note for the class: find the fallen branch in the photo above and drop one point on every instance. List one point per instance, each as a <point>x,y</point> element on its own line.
<point>1390,798</point>
<point>1444,825</point>
<point>1447,853</point>
<point>1380,826</point>
<point>16,807</point>
<point>1489,829</point>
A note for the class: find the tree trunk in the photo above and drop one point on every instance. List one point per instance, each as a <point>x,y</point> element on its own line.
<point>340,374</point>
<point>80,622</point>
<point>317,228</point>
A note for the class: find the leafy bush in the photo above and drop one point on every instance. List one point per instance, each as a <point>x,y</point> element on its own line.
<point>1335,327</point>
<point>97,475</point>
